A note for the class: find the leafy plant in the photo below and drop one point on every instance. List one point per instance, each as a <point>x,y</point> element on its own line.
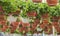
<point>54,11</point>
<point>28,6</point>
<point>9,5</point>
<point>43,8</point>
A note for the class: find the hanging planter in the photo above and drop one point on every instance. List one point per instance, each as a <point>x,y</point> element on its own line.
<point>3,22</point>
<point>23,30</point>
<point>55,18</point>
<point>31,14</point>
<point>1,9</point>
<point>45,22</point>
<point>15,13</point>
<point>55,24</point>
<point>37,21</point>
<point>58,30</point>
<point>45,15</point>
<point>2,17</point>
<point>25,24</point>
<point>37,1</point>
<point>48,29</point>
<point>5,27</point>
<point>44,11</point>
<point>52,2</point>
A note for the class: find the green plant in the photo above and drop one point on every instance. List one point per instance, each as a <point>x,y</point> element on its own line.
<point>54,11</point>
<point>43,8</point>
<point>28,6</point>
<point>9,6</point>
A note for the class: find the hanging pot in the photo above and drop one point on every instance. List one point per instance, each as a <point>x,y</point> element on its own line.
<point>5,27</point>
<point>25,24</point>
<point>52,2</point>
<point>37,21</point>
<point>2,17</point>
<point>55,24</point>
<point>54,18</point>
<point>1,9</point>
<point>37,1</point>
<point>45,15</point>
<point>31,14</point>
<point>48,30</point>
<point>15,13</point>
<point>45,21</point>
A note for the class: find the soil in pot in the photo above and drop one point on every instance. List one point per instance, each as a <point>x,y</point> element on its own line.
<point>37,1</point>
<point>52,2</point>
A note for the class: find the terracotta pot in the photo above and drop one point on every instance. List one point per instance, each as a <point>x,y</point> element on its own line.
<point>54,18</point>
<point>34,25</point>
<point>15,24</point>
<point>2,17</point>
<point>55,24</point>
<point>31,14</point>
<point>26,24</point>
<point>5,27</point>
<point>45,15</point>
<point>37,21</point>
<point>12,31</point>
<point>23,29</point>
<point>33,29</point>
<point>52,2</point>
<point>42,26</point>
<point>1,9</point>
<point>58,29</point>
<point>48,31</point>
<point>3,22</point>
<point>45,22</point>
<point>37,1</point>
<point>15,13</point>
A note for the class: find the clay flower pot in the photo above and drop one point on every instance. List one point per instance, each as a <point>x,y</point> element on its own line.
<point>15,13</point>
<point>1,9</point>
<point>45,15</point>
<point>31,13</point>
<point>5,27</point>
<point>34,25</point>
<point>37,21</point>
<point>2,17</point>
<point>23,30</point>
<point>55,24</point>
<point>42,26</point>
<point>45,22</point>
<point>52,2</point>
<point>48,31</point>
<point>25,24</point>
<point>3,22</point>
<point>37,1</point>
<point>58,29</point>
<point>54,18</point>
<point>14,24</point>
